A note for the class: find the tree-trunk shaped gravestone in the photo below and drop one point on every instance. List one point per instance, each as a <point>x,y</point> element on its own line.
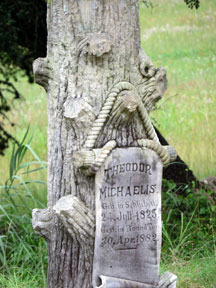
<point>103,220</point>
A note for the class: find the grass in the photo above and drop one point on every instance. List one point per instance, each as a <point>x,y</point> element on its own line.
<point>194,273</point>
<point>22,252</point>
<point>32,109</point>
<point>183,42</point>
<point>189,242</point>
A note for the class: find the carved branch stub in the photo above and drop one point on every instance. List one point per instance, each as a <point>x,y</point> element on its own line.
<point>130,100</point>
<point>83,158</point>
<point>99,44</point>
<point>42,222</point>
<point>76,218</point>
<point>79,111</point>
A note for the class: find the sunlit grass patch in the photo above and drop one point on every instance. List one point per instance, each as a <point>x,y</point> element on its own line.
<point>30,110</point>
<point>183,42</point>
<point>23,258</point>
<point>194,273</point>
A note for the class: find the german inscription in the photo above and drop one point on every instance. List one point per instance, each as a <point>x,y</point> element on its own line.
<point>128,217</point>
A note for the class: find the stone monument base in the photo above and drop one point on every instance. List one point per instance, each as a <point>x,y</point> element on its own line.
<point>166,280</point>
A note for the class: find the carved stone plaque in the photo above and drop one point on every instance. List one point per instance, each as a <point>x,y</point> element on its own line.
<point>128,219</point>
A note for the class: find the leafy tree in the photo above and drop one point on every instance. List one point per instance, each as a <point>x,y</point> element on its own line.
<point>22,39</point>
<point>193,3</point>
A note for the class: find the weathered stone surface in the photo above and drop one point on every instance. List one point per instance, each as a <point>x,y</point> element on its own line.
<point>76,218</point>
<point>167,280</point>
<point>42,222</point>
<point>128,217</point>
<point>110,282</point>
<point>82,69</point>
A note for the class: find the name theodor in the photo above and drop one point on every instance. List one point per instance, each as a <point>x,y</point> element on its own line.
<point>108,192</point>
<point>128,167</point>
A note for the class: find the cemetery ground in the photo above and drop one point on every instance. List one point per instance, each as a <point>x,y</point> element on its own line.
<point>183,42</point>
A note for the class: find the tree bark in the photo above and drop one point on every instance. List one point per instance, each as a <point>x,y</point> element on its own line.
<point>92,45</point>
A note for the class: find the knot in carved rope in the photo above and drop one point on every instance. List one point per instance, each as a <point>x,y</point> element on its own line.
<point>159,149</point>
<point>101,156</point>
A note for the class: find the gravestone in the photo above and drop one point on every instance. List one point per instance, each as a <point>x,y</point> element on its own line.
<point>128,219</point>
<point>126,245</point>
<point>101,88</point>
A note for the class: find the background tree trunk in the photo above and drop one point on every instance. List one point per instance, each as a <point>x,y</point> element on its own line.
<point>178,171</point>
<point>92,44</point>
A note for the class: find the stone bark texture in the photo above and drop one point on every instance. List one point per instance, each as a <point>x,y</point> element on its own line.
<point>92,45</point>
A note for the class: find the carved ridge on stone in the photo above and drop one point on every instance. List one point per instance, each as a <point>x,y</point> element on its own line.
<point>42,222</point>
<point>130,100</point>
<point>77,219</point>
<point>96,44</point>
<point>155,89</point>
<point>167,280</point>
<point>146,65</point>
<point>101,157</point>
<point>42,72</point>
<point>172,152</point>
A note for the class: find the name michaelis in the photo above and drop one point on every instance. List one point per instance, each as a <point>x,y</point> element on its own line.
<point>121,191</point>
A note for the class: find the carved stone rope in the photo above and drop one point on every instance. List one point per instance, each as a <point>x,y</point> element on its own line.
<point>87,158</point>
<point>105,112</point>
<point>101,156</point>
<point>159,149</point>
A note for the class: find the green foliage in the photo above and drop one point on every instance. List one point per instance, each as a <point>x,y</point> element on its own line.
<point>23,36</point>
<point>6,88</point>
<point>193,273</point>
<point>22,33</point>
<point>189,221</point>
<point>147,3</point>
<point>189,242</point>
<point>183,42</point>
<point>22,252</point>
<point>192,3</point>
